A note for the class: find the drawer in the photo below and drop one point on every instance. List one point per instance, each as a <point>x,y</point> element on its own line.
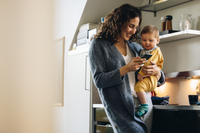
<point>104,129</point>
<point>101,115</point>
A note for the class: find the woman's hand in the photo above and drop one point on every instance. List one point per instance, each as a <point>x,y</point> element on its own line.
<point>133,65</point>
<point>151,70</point>
<point>136,63</point>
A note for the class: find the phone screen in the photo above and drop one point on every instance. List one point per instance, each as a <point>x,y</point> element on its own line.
<point>147,56</point>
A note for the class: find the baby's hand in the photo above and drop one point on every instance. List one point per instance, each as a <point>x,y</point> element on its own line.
<point>139,77</point>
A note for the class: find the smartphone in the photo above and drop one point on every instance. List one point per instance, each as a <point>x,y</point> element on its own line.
<point>147,56</point>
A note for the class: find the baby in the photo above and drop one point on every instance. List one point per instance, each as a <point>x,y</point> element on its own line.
<point>149,40</point>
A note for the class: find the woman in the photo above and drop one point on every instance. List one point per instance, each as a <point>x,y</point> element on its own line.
<point>114,59</point>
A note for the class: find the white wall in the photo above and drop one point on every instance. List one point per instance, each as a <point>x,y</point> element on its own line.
<point>178,90</point>
<point>178,55</point>
<point>26,53</point>
<point>26,67</point>
<point>67,16</point>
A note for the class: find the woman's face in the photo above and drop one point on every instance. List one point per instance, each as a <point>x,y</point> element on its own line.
<point>129,29</point>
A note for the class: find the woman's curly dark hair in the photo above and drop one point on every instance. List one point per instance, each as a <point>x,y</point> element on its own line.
<point>113,22</point>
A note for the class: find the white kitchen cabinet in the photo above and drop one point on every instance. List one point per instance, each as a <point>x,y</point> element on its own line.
<point>78,94</point>
<point>81,92</point>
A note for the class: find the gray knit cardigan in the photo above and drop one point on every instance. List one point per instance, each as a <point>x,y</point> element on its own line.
<point>114,90</point>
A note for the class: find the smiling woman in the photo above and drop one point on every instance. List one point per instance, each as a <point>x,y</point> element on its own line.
<point>113,62</point>
<point>128,29</point>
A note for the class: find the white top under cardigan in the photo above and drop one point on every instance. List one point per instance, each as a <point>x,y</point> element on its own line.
<point>147,118</point>
<point>131,74</point>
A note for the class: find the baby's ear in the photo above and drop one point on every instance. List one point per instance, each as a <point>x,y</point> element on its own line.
<point>158,40</point>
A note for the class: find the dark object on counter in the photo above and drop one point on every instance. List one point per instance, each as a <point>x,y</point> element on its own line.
<point>193,99</point>
<point>168,22</point>
<point>168,17</point>
<point>171,121</point>
<point>167,32</point>
<point>160,100</point>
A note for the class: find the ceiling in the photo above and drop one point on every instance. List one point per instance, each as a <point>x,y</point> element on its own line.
<point>95,9</point>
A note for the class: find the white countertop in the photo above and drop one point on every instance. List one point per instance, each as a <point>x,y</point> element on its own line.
<point>165,107</point>
<point>98,106</point>
<point>177,107</point>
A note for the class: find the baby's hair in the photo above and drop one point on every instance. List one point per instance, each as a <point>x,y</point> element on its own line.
<point>150,29</point>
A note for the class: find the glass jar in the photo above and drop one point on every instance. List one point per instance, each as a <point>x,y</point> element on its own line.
<point>186,22</point>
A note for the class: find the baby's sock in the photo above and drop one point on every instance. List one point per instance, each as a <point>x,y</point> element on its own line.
<point>142,110</point>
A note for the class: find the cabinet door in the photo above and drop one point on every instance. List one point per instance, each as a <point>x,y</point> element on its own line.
<point>77,94</point>
<point>171,121</point>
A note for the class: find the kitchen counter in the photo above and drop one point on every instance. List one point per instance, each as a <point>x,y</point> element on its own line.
<point>98,106</point>
<point>166,119</point>
<point>176,107</point>
<point>165,107</point>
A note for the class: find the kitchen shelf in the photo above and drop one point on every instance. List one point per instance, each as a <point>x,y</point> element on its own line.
<point>161,5</point>
<point>163,39</point>
<point>179,35</point>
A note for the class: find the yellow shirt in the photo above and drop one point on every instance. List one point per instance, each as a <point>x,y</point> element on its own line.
<point>150,83</point>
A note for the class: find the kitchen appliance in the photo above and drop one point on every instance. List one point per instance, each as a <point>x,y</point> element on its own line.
<point>166,26</point>
<point>168,22</point>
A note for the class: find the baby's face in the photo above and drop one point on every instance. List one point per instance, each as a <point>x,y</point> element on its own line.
<point>149,40</point>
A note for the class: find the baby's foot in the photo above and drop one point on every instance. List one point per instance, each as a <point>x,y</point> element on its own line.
<point>142,110</point>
